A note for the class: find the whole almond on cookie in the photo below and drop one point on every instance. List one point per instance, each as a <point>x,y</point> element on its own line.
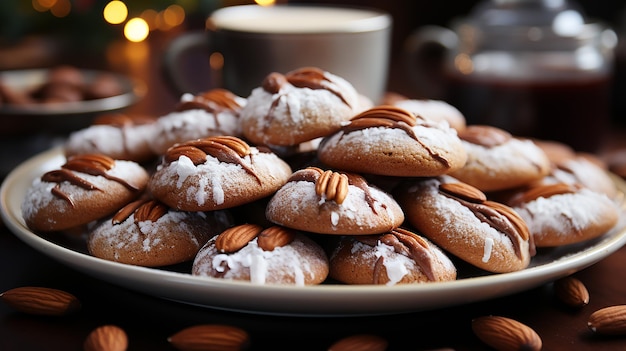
<point>504,334</point>
<point>210,337</point>
<point>609,320</point>
<point>41,301</point>
<point>571,292</point>
<point>106,338</point>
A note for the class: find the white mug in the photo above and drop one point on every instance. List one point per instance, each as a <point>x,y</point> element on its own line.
<point>353,43</point>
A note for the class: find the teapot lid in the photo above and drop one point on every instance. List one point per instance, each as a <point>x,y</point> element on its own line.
<point>524,24</point>
<point>526,13</point>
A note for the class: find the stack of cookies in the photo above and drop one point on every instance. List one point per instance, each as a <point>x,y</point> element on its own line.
<point>306,181</point>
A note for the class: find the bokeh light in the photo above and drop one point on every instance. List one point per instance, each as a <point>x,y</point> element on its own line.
<point>115,12</point>
<point>136,29</point>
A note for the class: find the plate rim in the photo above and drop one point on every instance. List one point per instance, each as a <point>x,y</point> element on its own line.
<point>331,299</point>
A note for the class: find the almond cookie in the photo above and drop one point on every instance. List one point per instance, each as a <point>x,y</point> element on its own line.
<point>216,173</point>
<point>116,135</point>
<point>397,257</point>
<point>302,105</point>
<point>459,219</point>
<point>273,255</point>
<point>496,160</point>
<point>327,202</point>
<point>150,234</point>
<point>562,213</point>
<point>387,140</point>
<point>84,189</point>
<point>211,113</point>
<point>434,110</point>
<point>582,169</point>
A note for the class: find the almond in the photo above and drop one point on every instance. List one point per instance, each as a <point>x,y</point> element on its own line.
<point>106,338</point>
<point>275,236</point>
<point>234,238</point>
<point>40,300</point>
<point>210,337</point>
<point>609,320</point>
<point>503,333</point>
<point>360,342</point>
<point>571,292</point>
<point>463,191</point>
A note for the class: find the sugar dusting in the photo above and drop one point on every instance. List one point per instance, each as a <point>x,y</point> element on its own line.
<point>294,201</point>
<point>39,194</point>
<point>290,264</point>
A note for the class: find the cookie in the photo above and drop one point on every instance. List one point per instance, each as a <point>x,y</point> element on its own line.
<point>328,202</point>
<point>296,107</point>
<point>116,135</point>
<point>563,213</point>
<point>391,141</point>
<point>434,110</point>
<point>496,160</point>
<point>150,234</point>
<point>211,113</point>
<point>459,219</point>
<point>273,255</point>
<point>84,189</point>
<point>216,173</point>
<point>397,257</point>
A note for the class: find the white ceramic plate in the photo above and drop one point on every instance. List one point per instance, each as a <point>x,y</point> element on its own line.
<point>322,300</point>
<point>64,115</point>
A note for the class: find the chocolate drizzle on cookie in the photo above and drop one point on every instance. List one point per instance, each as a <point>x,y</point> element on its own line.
<point>387,116</point>
<point>307,77</point>
<point>227,149</point>
<point>333,186</point>
<point>212,101</point>
<point>484,135</point>
<point>405,243</point>
<point>92,164</point>
<point>499,216</point>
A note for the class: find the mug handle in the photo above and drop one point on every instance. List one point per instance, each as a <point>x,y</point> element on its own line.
<point>180,80</point>
<point>425,50</point>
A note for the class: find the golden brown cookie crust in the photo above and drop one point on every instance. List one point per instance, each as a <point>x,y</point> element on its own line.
<point>260,255</point>
<point>398,257</point>
<point>496,160</point>
<point>148,233</point>
<point>459,219</point>
<point>328,202</point>
<point>217,173</point>
<point>86,188</point>
<point>386,140</point>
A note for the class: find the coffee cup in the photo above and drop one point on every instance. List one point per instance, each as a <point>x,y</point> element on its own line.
<point>251,41</point>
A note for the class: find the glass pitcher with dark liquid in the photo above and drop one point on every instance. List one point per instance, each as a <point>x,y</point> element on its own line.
<point>537,68</point>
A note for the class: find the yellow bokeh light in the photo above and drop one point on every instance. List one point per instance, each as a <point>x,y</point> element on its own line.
<point>265,2</point>
<point>115,12</point>
<point>136,29</point>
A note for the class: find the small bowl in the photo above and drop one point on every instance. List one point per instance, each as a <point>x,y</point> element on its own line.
<point>60,117</point>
